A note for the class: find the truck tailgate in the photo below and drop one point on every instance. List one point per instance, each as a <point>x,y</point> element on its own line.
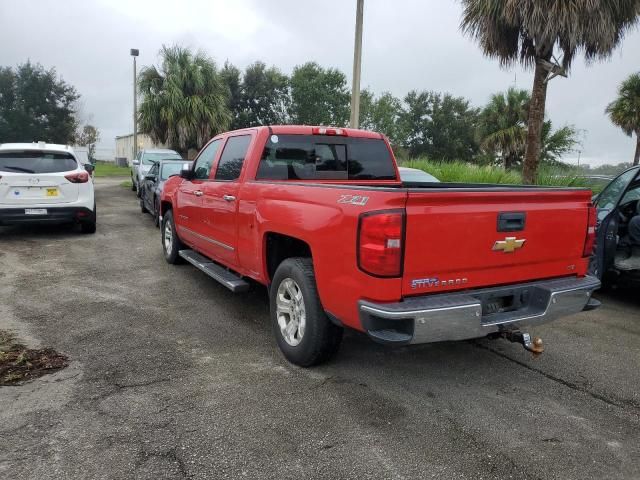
<point>453,240</point>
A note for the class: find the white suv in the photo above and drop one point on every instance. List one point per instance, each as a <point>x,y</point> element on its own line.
<point>44,182</point>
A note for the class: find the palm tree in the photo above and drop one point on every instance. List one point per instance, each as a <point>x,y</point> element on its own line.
<point>503,130</point>
<point>624,111</point>
<point>555,144</point>
<point>184,102</point>
<point>528,31</point>
<point>503,125</point>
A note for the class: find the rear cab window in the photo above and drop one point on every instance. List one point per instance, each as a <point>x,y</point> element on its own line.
<point>325,157</point>
<point>34,161</point>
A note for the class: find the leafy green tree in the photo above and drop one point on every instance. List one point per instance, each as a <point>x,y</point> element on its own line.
<point>319,96</point>
<point>231,77</point>
<point>382,114</point>
<point>441,127</point>
<point>527,31</point>
<point>88,137</point>
<point>184,101</point>
<point>265,95</point>
<point>36,105</point>
<point>624,111</point>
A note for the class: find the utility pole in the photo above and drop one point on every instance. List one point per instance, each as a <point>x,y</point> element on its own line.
<point>134,53</point>
<point>357,63</point>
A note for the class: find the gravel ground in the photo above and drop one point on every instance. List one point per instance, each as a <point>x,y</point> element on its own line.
<point>172,376</point>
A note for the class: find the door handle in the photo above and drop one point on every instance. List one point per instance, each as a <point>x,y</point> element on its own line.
<point>229,198</point>
<point>198,193</point>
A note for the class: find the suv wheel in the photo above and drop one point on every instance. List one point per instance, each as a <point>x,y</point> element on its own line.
<point>89,226</point>
<point>171,244</point>
<point>303,332</point>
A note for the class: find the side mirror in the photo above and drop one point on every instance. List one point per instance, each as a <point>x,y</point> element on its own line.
<point>135,163</point>
<point>89,167</point>
<point>186,171</point>
<point>150,177</point>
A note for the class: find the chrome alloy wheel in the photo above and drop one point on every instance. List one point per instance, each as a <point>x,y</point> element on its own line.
<point>168,237</point>
<point>290,311</point>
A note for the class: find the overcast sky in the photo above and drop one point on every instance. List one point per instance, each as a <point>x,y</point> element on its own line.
<point>407,45</point>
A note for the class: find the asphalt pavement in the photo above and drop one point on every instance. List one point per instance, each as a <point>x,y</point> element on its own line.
<point>173,376</point>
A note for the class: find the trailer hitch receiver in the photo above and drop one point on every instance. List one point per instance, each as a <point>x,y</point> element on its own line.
<point>533,344</point>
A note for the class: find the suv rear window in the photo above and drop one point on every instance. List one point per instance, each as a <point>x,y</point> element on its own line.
<point>322,157</point>
<point>30,161</point>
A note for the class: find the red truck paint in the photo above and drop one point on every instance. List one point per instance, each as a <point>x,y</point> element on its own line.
<point>449,231</point>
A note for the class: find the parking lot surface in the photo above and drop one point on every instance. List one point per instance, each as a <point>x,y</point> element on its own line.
<point>172,376</point>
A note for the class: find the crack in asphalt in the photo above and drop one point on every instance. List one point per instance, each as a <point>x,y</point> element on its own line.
<point>141,384</point>
<point>620,403</point>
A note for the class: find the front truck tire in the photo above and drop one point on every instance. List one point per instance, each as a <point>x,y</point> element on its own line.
<point>171,243</point>
<point>302,329</point>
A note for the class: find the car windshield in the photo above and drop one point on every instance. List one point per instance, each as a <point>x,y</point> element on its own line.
<point>151,158</point>
<point>34,161</point>
<point>169,169</point>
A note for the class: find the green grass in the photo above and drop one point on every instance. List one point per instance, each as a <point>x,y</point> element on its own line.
<point>462,172</point>
<point>109,169</point>
<point>126,184</point>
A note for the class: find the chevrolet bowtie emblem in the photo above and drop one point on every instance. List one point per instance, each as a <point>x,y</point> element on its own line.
<point>509,244</point>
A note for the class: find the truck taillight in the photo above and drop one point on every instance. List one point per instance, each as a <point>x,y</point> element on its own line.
<point>329,131</point>
<point>79,177</point>
<point>590,239</point>
<point>381,243</point>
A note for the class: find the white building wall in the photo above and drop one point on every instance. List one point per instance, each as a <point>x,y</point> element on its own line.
<point>124,145</point>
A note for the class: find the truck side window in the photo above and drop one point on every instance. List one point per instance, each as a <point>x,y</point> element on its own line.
<point>202,168</point>
<point>230,164</point>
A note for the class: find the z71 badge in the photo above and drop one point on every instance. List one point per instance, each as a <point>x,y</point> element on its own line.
<point>353,200</point>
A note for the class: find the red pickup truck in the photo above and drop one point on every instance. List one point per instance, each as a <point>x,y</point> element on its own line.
<point>320,216</point>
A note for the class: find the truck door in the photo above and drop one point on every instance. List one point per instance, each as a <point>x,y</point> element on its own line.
<point>189,202</point>
<point>220,201</point>
<point>607,203</point>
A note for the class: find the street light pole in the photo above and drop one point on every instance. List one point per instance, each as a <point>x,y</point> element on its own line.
<point>134,53</point>
<point>357,63</point>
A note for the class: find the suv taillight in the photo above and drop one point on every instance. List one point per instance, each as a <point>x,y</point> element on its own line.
<point>590,240</point>
<point>79,177</point>
<point>381,243</point>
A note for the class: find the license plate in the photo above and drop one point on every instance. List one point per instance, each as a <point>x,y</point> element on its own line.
<point>35,211</point>
<point>52,192</point>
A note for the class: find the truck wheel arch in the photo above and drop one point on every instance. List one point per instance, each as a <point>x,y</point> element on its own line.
<point>164,207</point>
<point>278,247</point>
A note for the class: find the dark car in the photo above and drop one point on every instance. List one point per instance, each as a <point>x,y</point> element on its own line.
<point>617,204</point>
<point>153,182</point>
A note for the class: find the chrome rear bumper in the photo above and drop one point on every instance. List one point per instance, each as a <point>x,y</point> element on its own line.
<point>476,313</point>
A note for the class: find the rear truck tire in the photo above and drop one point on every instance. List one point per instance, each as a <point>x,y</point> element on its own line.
<point>143,209</point>
<point>138,192</point>
<point>89,226</point>
<point>171,244</point>
<point>302,329</point>
<point>133,185</point>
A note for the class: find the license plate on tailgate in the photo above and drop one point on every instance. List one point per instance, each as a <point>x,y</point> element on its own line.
<point>35,211</point>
